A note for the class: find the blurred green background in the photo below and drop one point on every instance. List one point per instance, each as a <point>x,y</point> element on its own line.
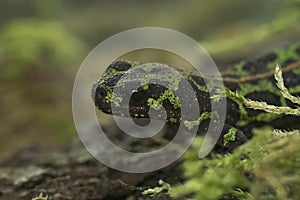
<point>42,44</point>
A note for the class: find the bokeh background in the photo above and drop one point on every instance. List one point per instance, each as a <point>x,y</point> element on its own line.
<point>42,44</point>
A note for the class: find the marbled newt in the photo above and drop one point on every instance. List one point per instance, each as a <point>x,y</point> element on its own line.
<point>252,79</point>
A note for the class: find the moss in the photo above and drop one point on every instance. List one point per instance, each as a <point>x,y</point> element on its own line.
<point>31,42</point>
<point>264,106</point>
<point>287,19</point>
<point>269,160</point>
<point>266,167</point>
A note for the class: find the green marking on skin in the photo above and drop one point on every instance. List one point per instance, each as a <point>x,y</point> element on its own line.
<point>154,104</point>
<point>261,85</point>
<point>192,124</point>
<point>145,87</point>
<point>295,89</point>
<point>198,86</point>
<point>297,71</point>
<point>238,70</point>
<point>173,120</point>
<point>283,55</point>
<point>168,94</point>
<point>229,136</point>
<point>113,98</point>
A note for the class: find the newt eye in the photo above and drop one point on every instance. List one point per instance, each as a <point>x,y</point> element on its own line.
<point>138,98</point>
<point>120,65</point>
<point>99,97</point>
<point>100,93</point>
<point>112,81</point>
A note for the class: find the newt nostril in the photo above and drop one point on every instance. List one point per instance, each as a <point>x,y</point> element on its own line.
<point>101,93</point>
<point>112,81</point>
<point>98,94</point>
